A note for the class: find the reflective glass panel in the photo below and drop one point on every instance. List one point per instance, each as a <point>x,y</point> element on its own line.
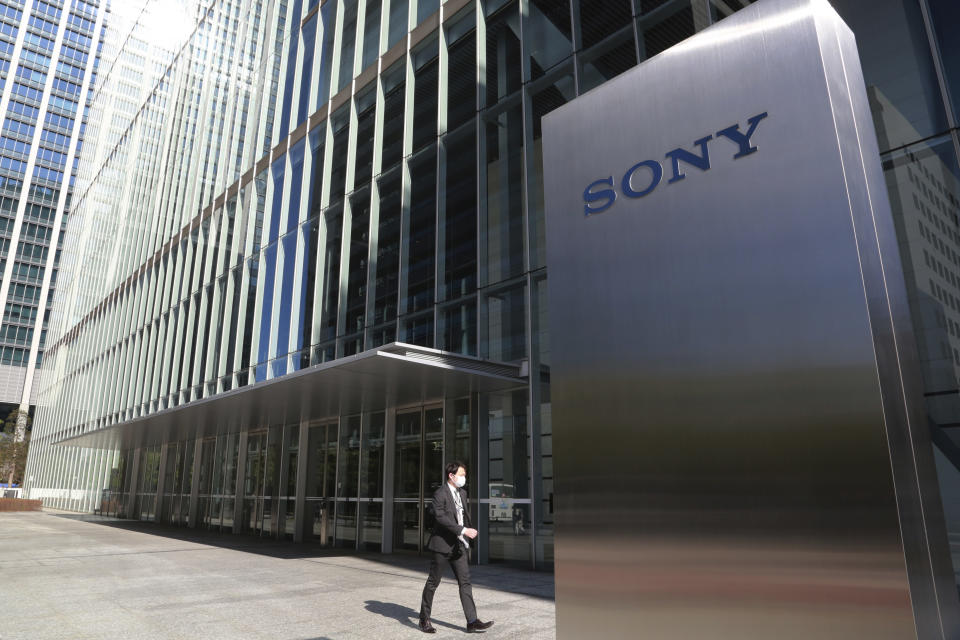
<point>897,68</point>
<point>601,18</point>
<point>506,325</point>
<point>366,109</point>
<point>425,79</point>
<point>923,181</point>
<point>394,95</point>
<point>347,43</point>
<point>547,35</point>
<point>423,223</point>
<point>505,228</point>
<point>503,53</point>
<point>406,479</point>
<point>508,512</point>
<point>357,275</point>
<point>945,17</point>
<point>462,78</point>
<point>388,250</point>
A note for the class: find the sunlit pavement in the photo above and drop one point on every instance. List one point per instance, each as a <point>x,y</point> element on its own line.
<point>76,578</point>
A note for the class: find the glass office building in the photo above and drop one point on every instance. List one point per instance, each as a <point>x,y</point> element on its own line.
<point>310,265</point>
<point>49,58</point>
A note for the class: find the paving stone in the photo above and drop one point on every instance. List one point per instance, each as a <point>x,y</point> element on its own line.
<point>91,578</point>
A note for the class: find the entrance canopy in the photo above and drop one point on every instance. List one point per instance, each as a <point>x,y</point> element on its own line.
<point>396,374</point>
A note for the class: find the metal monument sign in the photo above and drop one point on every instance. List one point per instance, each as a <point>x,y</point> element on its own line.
<point>740,448</point>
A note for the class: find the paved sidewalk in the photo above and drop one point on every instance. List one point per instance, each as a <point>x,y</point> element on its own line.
<point>82,578</point>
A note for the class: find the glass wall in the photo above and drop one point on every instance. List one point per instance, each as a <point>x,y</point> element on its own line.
<point>321,482</point>
<point>355,187</point>
<point>370,516</point>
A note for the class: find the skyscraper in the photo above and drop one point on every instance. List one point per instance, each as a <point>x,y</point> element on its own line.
<point>306,254</point>
<point>49,62</point>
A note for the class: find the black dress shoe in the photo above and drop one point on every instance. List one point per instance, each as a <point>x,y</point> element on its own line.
<point>425,626</point>
<point>478,627</point>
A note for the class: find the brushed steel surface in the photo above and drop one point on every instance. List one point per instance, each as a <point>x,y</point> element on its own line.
<point>736,414</point>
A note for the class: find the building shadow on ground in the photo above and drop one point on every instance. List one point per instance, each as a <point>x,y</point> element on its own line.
<point>510,579</point>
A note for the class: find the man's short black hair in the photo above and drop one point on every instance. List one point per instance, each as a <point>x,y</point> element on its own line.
<point>453,467</point>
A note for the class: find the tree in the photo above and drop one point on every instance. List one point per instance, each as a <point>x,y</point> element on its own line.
<point>14,443</point>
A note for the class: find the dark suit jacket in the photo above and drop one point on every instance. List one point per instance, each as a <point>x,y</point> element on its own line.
<point>446,531</point>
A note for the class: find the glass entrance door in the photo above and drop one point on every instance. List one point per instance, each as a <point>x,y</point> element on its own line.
<point>418,471</point>
<point>252,516</point>
<point>321,482</point>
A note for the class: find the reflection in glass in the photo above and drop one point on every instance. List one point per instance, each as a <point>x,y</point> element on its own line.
<point>504,132</point>
<point>406,526</point>
<point>600,18</point>
<point>945,16</point>
<point>371,468</point>
<point>271,485</point>
<point>503,53</point>
<point>205,480</point>
<point>923,181</point>
<point>229,488</point>
<point>458,225</point>
<point>289,489</point>
<point>331,272</point>
<point>426,8</point>
<point>423,211</point>
<point>371,482</point>
<point>310,232</point>
<point>508,471</point>
<point>406,479</point>
<point>293,44</point>
<point>340,123</point>
<point>543,101</point>
<point>348,40</point>
<point>394,95</point>
<point>321,478</point>
<point>269,267</point>
<point>371,33</point>
<point>309,34</point>
<point>506,325</point>
<point>608,61</point>
<point>359,246</point>
<point>366,110</point>
<point>666,33</point>
<point>547,35</point>
<point>462,74</point>
<point>348,476</point>
<point>253,480</point>
<point>897,65</point>
<point>346,524</point>
<point>397,24</point>
<point>458,327</point>
<point>425,78</point>
<point>328,15</point>
<point>388,251</point>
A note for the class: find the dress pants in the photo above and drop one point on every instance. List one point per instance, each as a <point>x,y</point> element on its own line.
<point>457,559</point>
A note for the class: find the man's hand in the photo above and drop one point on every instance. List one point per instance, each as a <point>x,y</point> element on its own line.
<point>470,533</point>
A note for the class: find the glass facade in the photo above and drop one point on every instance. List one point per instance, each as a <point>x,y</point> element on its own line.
<point>49,61</point>
<point>303,182</point>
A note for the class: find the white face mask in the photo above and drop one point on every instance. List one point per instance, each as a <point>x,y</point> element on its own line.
<point>460,481</point>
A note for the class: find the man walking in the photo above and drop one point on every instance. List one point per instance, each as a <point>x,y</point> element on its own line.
<point>449,544</point>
